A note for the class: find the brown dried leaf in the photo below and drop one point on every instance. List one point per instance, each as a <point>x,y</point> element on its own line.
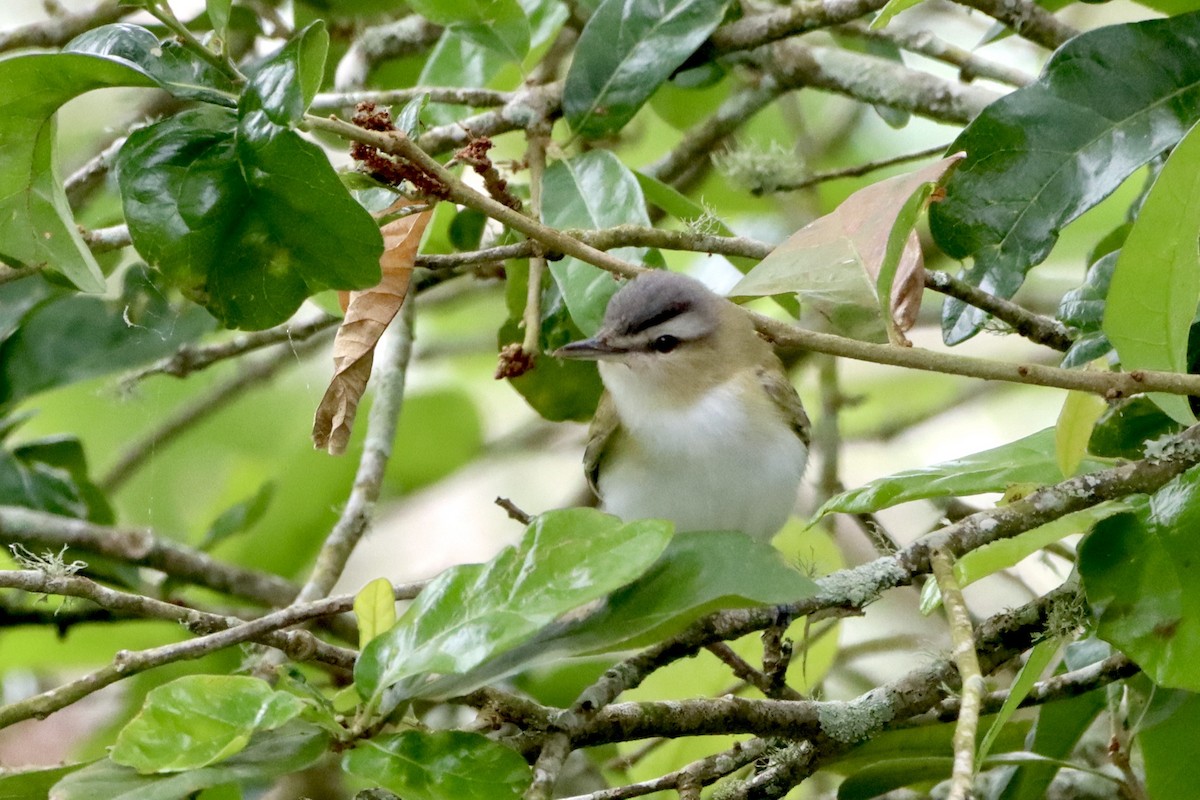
<point>833,263</point>
<point>368,314</point>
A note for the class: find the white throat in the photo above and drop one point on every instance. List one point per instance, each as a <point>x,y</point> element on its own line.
<point>728,461</point>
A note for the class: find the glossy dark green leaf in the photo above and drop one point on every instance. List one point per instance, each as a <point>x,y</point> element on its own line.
<point>284,86</point>
<point>269,754</point>
<point>1030,460</point>
<point>699,573</point>
<point>441,765</point>
<point>240,517</point>
<point>1083,310</point>
<point>1168,745</point>
<point>1155,287</point>
<point>169,63</point>
<point>557,389</point>
<point>1142,581</point>
<point>36,226</point>
<point>1042,155</point>
<point>32,784</point>
<point>1127,427</point>
<point>246,217</point>
<point>627,49</point>
<point>592,190</point>
<point>139,326</point>
<point>199,720</point>
<point>471,613</point>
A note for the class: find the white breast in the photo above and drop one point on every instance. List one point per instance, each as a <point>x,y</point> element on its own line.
<point>719,464</point>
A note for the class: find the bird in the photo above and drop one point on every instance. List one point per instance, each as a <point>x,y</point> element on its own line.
<point>698,423</point>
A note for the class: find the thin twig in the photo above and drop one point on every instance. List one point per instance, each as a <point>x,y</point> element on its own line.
<point>970,65</point>
<point>963,637</point>
<point>531,319</point>
<point>1027,20</point>
<point>136,606</point>
<point>137,454</point>
<point>703,772</point>
<point>377,450</point>
<point>451,95</point>
<point>127,663</point>
<point>189,358</point>
<point>62,29</point>
<point>140,547</point>
<point>850,172</point>
<point>548,766</point>
<point>1110,384</point>
<point>1034,327</point>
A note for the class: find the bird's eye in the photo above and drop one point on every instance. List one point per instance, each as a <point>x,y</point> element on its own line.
<point>664,344</point>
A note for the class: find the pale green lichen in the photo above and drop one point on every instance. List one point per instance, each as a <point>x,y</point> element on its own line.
<point>861,585</point>
<point>856,720</point>
<point>761,170</point>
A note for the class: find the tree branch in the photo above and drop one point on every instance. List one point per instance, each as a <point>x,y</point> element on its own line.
<point>1027,20</point>
<point>142,548</point>
<point>59,30</point>
<point>377,449</point>
<point>963,636</point>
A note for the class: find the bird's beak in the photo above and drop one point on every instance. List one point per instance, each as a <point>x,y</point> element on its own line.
<point>594,349</point>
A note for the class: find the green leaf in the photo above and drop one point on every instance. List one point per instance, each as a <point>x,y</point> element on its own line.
<point>1142,582</point>
<point>1027,460</point>
<point>627,50</point>
<point>834,262</point>
<point>36,226</point>
<point>1074,429</point>
<point>141,325</point>
<point>409,121</point>
<point>1039,659</point>
<point>52,475</point>
<point>890,10</point>
<point>198,720</point>
<point>375,607</point>
<point>246,217</point>
<point>927,741</point>
<point>270,753</point>
<point>218,15</point>
<point>1042,155</point>
<point>699,573</point>
<point>1059,726</point>
<point>283,87</point>
<point>1168,746</point>
<point>592,190</point>
<point>471,613</point>
<point>169,63</point>
<point>1083,310</point>
<point>240,517</point>
<point>499,25</point>
<point>443,765</point>
<point>1156,286</point>
<point>32,783</point>
<point>1126,428</point>
<point>885,776</point>
<point>557,389</point>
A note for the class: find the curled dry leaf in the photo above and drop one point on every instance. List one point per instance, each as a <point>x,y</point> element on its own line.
<point>368,314</point>
<point>834,262</point>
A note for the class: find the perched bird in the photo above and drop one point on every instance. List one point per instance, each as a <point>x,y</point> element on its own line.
<point>699,423</point>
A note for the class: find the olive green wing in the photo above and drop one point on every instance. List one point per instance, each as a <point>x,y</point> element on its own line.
<point>600,439</point>
<point>781,391</point>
